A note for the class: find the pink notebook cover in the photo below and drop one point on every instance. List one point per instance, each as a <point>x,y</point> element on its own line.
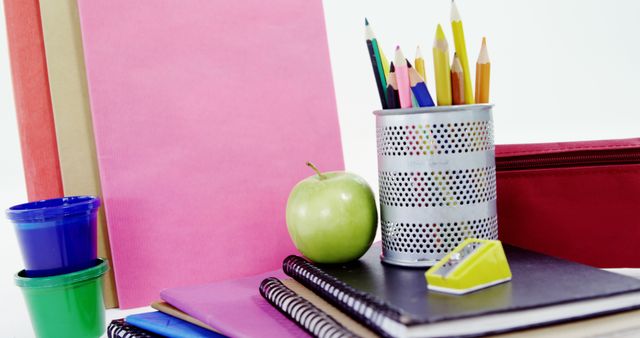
<point>234,307</point>
<point>204,112</point>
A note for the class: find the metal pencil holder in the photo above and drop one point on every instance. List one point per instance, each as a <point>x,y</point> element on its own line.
<point>437,178</point>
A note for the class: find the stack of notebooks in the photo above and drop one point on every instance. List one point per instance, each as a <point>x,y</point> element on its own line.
<point>366,298</point>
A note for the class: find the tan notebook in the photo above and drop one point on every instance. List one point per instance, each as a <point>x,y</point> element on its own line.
<point>622,325</point>
<point>72,115</point>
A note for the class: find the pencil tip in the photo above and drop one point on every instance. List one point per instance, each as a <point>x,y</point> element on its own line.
<point>392,68</point>
<point>455,15</point>
<point>408,63</point>
<point>483,57</point>
<point>399,57</point>
<point>439,35</point>
<point>368,32</point>
<point>456,66</point>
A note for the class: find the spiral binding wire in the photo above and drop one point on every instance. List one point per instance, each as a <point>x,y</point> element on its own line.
<point>361,306</point>
<point>118,328</point>
<point>305,314</point>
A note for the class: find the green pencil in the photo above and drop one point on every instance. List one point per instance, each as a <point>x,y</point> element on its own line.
<point>376,62</point>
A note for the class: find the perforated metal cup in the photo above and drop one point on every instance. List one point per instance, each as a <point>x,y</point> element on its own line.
<point>437,178</point>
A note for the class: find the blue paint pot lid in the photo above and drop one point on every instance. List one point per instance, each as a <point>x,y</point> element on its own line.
<point>101,266</point>
<point>52,208</point>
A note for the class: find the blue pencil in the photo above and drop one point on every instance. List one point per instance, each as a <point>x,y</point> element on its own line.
<point>419,88</point>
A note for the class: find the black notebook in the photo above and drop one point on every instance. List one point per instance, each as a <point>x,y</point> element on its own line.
<point>118,328</point>
<point>394,301</point>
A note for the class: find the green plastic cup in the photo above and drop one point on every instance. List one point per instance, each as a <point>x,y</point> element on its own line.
<point>68,305</point>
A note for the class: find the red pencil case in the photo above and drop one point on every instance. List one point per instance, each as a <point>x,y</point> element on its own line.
<point>576,200</point>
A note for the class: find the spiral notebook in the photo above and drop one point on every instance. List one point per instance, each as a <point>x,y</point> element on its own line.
<point>315,321</point>
<point>118,328</point>
<point>625,324</point>
<point>394,301</point>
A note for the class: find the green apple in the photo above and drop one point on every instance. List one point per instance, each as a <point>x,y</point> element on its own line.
<point>332,216</point>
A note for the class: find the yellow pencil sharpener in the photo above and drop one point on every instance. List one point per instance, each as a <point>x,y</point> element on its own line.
<point>473,265</point>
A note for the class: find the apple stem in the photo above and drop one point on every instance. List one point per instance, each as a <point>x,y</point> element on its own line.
<point>316,170</point>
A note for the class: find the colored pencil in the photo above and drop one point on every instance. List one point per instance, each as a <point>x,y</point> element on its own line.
<point>414,101</point>
<point>457,81</point>
<point>402,78</point>
<point>376,64</point>
<point>377,50</point>
<point>419,64</point>
<point>376,74</point>
<point>483,74</point>
<point>385,62</point>
<point>419,89</point>
<point>442,70</point>
<point>461,50</point>
<point>392,89</point>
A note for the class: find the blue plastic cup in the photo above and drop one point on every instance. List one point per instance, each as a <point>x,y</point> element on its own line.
<point>57,236</point>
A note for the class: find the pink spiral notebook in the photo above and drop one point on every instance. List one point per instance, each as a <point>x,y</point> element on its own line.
<point>204,113</point>
<point>235,307</point>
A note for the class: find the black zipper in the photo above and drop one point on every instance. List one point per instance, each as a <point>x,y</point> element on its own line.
<point>569,159</point>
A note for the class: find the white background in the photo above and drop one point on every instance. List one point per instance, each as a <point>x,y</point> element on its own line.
<point>561,71</point>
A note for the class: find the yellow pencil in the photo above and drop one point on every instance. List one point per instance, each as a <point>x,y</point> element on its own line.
<point>385,62</point>
<point>442,71</point>
<point>461,50</point>
<point>458,92</point>
<point>418,63</point>
<point>483,74</point>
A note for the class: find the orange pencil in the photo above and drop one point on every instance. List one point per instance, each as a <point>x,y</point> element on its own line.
<point>457,81</point>
<point>483,72</point>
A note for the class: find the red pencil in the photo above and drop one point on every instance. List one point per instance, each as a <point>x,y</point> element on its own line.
<point>457,81</point>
